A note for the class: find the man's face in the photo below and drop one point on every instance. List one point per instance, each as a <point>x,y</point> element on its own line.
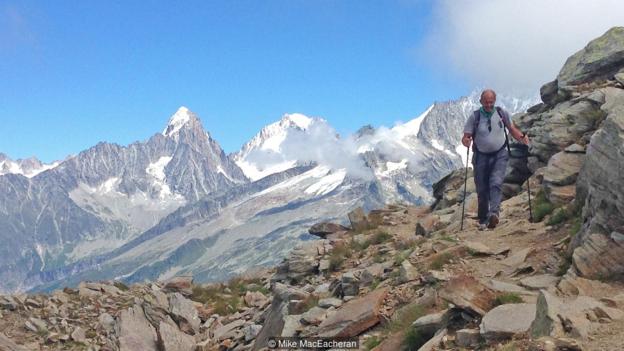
<point>487,101</point>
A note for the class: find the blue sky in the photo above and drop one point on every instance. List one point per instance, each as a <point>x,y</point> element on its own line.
<point>73,73</point>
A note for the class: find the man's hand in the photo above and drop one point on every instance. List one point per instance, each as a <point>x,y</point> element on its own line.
<point>467,140</point>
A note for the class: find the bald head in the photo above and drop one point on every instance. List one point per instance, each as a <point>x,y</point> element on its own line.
<point>488,99</point>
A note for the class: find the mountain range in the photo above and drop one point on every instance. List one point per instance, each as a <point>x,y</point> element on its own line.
<point>177,203</point>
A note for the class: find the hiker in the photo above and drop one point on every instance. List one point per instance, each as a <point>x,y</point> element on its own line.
<point>486,127</point>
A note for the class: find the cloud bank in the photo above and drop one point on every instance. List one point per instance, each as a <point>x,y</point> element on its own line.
<point>514,46</point>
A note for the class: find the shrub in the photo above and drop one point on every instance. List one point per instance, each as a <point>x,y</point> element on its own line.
<point>542,207</point>
<point>440,260</point>
<point>372,342</point>
<point>506,298</point>
<point>338,255</point>
<point>404,317</point>
<point>414,339</point>
<point>560,215</point>
<point>121,286</point>
<point>379,238</point>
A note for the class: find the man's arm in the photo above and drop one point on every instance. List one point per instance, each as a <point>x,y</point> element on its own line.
<point>514,131</point>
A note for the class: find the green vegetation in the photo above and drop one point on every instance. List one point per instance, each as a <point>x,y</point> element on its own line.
<point>404,317</point>
<point>309,302</point>
<point>559,216</point>
<point>215,296</point>
<point>506,298</point>
<point>372,342</point>
<point>121,286</point>
<point>542,207</point>
<point>448,238</point>
<point>440,260</point>
<point>401,256</point>
<point>565,264</point>
<point>414,339</point>
<point>338,255</point>
<point>379,237</point>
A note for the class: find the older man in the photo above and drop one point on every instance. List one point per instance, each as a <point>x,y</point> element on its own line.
<point>486,128</point>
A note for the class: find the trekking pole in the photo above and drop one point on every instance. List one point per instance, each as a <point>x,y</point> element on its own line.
<point>529,191</point>
<point>465,182</point>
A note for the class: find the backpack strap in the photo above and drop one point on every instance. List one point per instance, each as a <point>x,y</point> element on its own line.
<point>476,117</point>
<point>504,118</point>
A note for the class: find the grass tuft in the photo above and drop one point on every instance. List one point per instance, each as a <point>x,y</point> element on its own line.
<point>506,298</point>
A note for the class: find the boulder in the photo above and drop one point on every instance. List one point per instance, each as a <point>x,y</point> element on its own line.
<point>355,316</point>
<point>79,335</point>
<point>468,293</point>
<point>599,257</point>
<point>467,337</point>
<point>325,228</point>
<point>314,316</point>
<point>134,331</point>
<point>538,282</point>
<point>171,338</point>
<point>563,168</point>
<point>505,321</point>
<point>408,272</point>
<point>255,299</point>
<point>431,323</point>
<point>180,284</point>
<point>358,220</point>
<point>251,331</point>
<point>599,60</point>
<point>304,259</point>
<point>183,312</point>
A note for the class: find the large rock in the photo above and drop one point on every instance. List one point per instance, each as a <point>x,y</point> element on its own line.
<point>184,313</point>
<point>325,228</point>
<point>599,257</point>
<point>468,293</point>
<point>358,220</point>
<point>355,316</point>
<point>601,59</point>
<point>601,188</point>
<point>171,338</point>
<point>181,284</point>
<point>450,189</point>
<point>134,331</point>
<point>563,168</point>
<point>10,345</point>
<point>304,259</point>
<point>505,321</point>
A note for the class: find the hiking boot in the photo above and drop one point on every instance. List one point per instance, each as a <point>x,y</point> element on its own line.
<point>482,226</point>
<point>493,222</point>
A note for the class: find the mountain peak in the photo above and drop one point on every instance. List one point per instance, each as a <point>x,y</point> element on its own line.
<point>178,120</point>
<point>296,119</point>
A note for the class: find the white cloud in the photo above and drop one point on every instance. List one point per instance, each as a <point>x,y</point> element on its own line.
<point>515,46</point>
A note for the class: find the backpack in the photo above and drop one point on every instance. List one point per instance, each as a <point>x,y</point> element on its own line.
<point>477,118</point>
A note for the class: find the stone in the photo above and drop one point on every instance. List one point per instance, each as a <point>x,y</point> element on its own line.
<point>431,323</point>
<point>304,259</point>
<point>573,285</point>
<point>563,168</point>
<point>324,228</point>
<point>599,257</point>
<point>292,324</point>
<point>407,272</point>
<point>179,284</point>
<point>538,282</point>
<point>350,284</point>
<point>79,335</point>
<point>370,273</point>
<point>575,148</point>
<point>358,220</point>
<point>330,302</point>
<point>506,287</point>
<point>561,195</point>
<point>476,248</point>
<point>549,93</point>
<point>220,332</point>
<point>434,343</point>
<point>355,316</point>
<point>619,78</point>
<point>505,321</point>
<point>10,345</point>
<point>134,331</point>
<point>426,225</point>
<point>106,322</point>
<point>600,59</point>
<point>38,324</point>
<point>171,338</point>
<point>184,313</point>
<point>468,293</point>
<point>467,337</point>
<point>517,258</point>
<point>314,316</point>
<point>251,331</point>
<point>8,303</point>
<point>255,299</point>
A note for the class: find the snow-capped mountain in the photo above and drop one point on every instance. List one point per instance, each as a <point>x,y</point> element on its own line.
<point>29,167</point>
<point>177,203</point>
<point>264,154</point>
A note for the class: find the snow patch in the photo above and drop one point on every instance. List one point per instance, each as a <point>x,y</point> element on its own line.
<point>177,121</point>
<point>157,171</point>
<point>327,183</point>
<point>302,121</point>
<point>394,166</point>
